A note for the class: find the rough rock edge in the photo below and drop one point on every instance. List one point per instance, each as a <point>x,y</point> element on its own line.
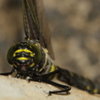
<point>18,89</point>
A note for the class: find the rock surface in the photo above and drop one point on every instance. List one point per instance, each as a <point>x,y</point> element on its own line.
<point>18,89</point>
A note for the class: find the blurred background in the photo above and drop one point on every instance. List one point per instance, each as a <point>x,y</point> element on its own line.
<point>75,33</point>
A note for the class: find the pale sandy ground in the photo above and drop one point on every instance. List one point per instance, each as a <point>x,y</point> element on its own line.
<point>17,89</point>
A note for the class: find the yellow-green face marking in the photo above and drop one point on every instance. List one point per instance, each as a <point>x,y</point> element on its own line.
<point>24,57</point>
<point>24,50</point>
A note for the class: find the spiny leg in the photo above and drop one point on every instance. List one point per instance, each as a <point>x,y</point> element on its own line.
<point>64,89</point>
<point>44,78</point>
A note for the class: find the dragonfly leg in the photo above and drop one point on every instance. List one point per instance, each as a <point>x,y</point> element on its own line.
<point>64,89</point>
<point>45,79</point>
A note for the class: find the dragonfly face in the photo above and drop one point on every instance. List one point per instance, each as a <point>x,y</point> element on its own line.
<point>24,56</point>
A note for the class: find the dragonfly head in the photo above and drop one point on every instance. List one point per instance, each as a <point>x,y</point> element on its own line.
<point>24,56</point>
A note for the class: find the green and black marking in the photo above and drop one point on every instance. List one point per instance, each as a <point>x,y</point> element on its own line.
<point>30,59</point>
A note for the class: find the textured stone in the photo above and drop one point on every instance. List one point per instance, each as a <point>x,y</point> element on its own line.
<point>18,89</point>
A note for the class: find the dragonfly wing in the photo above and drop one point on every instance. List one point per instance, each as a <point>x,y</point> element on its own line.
<point>35,24</point>
<point>44,27</point>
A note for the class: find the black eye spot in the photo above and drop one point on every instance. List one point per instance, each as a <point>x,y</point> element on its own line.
<point>18,54</point>
<point>27,54</point>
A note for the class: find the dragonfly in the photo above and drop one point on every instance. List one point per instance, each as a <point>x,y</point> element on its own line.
<point>32,59</point>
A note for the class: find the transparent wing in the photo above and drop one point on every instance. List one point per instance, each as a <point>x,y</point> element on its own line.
<point>35,25</point>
